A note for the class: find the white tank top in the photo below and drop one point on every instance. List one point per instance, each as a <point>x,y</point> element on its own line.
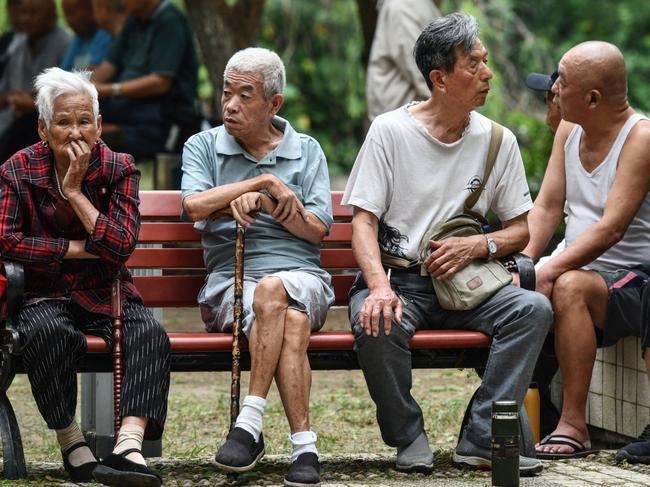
<point>586,196</point>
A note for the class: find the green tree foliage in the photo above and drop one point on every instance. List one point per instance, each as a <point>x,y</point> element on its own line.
<point>320,42</point>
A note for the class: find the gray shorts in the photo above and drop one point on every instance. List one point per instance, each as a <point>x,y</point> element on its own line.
<point>310,291</point>
<point>624,310</point>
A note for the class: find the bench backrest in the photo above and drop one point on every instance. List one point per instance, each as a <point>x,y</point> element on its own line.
<point>180,257</point>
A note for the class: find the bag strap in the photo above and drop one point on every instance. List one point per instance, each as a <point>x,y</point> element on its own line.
<point>495,144</point>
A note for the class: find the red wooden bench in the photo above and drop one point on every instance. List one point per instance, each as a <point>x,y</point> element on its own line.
<point>179,257</point>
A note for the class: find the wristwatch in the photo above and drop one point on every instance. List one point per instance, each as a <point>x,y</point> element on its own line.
<point>491,247</point>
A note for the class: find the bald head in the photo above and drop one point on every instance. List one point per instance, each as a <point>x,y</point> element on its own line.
<point>598,65</point>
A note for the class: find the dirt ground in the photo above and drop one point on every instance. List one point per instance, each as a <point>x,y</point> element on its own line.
<point>342,413</point>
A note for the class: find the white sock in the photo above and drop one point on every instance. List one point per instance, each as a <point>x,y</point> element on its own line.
<point>303,442</point>
<point>71,436</point>
<point>251,416</point>
<point>130,436</point>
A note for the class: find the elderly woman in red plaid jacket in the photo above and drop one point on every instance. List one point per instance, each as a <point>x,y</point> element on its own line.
<point>69,214</point>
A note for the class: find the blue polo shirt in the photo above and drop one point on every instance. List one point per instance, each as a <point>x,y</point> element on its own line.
<point>213,158</point>
<point>87,52</point>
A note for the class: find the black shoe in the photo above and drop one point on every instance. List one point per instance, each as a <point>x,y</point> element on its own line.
<point>118,470</point>
<point>239,453</point>
<point>304,472</point>
<point>637,451</point>
<point>80,473</point>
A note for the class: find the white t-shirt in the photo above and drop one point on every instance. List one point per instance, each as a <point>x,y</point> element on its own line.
<point>409,180</point>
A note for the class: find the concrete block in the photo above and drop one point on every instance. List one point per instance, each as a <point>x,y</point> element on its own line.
<point>609,379</point>
<point>642,389</point>
<point>609,413</point>
<point>596,385</point>
<point>595,410</point>
<point>629,419</point>
<point>642,418</point>
<point>609,354</point>
<point>630,351</point>
<point>629,384</point>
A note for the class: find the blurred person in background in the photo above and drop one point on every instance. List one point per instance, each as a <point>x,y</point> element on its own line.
<point>149,78</point>
<point>393,79</point>
<point>110,15</point>
<point>39,44</point>
<point>90,43</point>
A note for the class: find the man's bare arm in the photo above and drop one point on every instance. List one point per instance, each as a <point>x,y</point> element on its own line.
<point>382,300</point>
<point>547,212</point>
<point>104,73</point>
<point>141,87</point>
<point>628,192</point>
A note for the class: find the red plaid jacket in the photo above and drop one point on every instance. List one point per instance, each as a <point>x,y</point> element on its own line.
<point>36,226</point>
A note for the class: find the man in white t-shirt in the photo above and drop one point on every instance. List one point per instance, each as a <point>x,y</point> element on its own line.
<point>599,171</point>
<point>416,168</point>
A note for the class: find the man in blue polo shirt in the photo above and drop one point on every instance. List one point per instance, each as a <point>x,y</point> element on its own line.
<point>90,43</point>
<point>274,181</point>
<point>149,79</point>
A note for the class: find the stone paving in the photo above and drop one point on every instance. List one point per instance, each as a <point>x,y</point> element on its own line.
<point>372,471</point>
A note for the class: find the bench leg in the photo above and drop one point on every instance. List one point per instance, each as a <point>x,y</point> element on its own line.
<point>13,456</point>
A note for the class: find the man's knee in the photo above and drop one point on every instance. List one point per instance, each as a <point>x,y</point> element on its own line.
<point>538,311</point>
<point>296,331</point>
<point>270,296</point>
<point>573,287</point>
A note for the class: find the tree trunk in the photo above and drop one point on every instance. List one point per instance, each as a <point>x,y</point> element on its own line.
<point>222,30</point>
<point>368,18</point>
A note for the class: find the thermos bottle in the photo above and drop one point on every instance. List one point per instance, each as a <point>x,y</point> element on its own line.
<point>505,444</point>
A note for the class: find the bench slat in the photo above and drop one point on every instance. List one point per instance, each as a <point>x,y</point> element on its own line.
<point>165,232</point>
<point>181,291</point>
<point>192,258</point>
<point>167,204</point>
<point>324,340</point>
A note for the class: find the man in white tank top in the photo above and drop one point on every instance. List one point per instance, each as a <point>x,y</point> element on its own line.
<point>599,168</point>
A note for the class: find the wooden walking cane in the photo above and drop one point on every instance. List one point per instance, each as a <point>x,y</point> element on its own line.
<point>237,323</point>
<point>118,370</point>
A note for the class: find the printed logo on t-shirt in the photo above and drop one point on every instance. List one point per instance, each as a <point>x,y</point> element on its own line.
<point>390,239</point>
<point>473,184</point>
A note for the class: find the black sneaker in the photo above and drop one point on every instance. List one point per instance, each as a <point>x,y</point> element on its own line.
<point>239,453</point>
<point>304,472</point>
<point>637,451</point>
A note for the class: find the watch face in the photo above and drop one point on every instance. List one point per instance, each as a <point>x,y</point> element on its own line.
<point>492,246</point>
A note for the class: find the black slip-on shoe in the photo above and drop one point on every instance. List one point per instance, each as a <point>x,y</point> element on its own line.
<point>240,452</point>
<point>118,470</point>
<point>304,472</point>
<point>80,473</point>
<point>637,451</point>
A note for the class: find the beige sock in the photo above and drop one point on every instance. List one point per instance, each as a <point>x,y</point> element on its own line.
<point>70,436</point>
<point>130,436</point>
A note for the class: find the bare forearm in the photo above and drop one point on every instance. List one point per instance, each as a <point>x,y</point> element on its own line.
<point>145,86</point>
<point>84,210</point>
<point>542,223</point>
<point>366,253</point>
<point>509,240</point>
<point>200,206</point>
<point>77,250</point>
<point>308,227</point>
<point>596,240</point>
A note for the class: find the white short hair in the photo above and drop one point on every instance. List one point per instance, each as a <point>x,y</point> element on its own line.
<point>54,82</point>
<point>259,61</point>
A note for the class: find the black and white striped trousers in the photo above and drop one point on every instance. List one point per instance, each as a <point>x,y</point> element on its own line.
<point>52,337</point>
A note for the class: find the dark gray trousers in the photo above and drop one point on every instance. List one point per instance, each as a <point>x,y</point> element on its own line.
<point>516,319</point>
<point>53,343</point>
